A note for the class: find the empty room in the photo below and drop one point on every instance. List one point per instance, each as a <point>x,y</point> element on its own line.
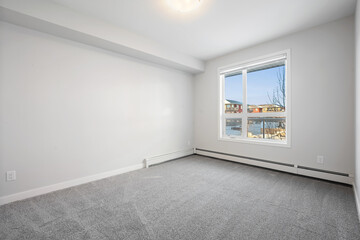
<point>179,119</point>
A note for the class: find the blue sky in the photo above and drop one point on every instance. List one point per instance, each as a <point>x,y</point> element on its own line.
<point>259,83</point>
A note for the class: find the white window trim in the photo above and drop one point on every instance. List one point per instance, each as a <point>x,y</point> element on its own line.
<point>221,88</point>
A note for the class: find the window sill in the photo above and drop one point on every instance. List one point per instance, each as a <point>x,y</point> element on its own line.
<point>273,143</point>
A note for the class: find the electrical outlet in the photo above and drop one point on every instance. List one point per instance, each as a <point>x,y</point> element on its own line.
<point>320,159</point>
<point>10,176</point>
<point>188,142</point>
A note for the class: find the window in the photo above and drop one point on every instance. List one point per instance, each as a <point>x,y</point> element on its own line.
<point>254,101</point>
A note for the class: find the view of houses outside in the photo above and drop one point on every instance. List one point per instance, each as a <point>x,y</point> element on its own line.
<point>265,93</point>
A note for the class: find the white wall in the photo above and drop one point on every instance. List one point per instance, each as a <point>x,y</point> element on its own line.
<point>322,63</point>
<point>357,71</point>
<point>68,110</point>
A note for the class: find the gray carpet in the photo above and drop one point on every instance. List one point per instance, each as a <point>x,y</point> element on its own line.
<point>190,198</point>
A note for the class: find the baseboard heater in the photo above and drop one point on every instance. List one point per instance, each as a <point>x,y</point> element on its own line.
<point>291,168</point>
<point>168,157</point>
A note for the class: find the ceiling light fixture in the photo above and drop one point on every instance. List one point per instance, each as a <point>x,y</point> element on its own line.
<point>184,5</point>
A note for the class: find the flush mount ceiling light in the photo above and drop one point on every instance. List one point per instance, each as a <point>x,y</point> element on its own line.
<point>184,5</point>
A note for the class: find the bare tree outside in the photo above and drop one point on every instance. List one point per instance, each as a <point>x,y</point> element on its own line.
<point>278,94</point>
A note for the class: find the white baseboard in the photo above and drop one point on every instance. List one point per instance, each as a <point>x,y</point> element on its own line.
<point>79,181</point>
<point>247,161</point>
<point>168,156</point>
<point>326,176</point>
<point>357,199</point>
<point>279,167</point>
<point>67,184</point>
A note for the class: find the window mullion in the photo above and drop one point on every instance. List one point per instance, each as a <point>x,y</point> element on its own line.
<point>244,118</point>
<point>222,107</point>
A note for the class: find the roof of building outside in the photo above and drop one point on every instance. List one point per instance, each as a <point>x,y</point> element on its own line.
<point>227,101</point>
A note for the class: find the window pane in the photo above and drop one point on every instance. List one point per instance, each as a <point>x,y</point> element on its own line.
<point>267,128</point>
<point>233,127</point>
<point>266,88</point>
<point>233,94</point>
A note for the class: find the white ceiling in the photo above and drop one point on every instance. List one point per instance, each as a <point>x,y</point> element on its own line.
<point>217,26</point>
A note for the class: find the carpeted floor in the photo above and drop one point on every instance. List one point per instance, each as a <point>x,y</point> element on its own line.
<point>190,198</point>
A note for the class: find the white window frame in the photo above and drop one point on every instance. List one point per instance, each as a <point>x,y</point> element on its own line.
<point>241,67</point>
